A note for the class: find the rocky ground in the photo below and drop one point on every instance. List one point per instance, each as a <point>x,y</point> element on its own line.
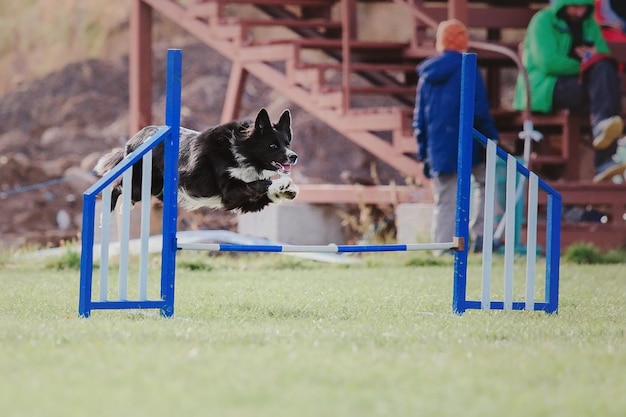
<point>52,131</point>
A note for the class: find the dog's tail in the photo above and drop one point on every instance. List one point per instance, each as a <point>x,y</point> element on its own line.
<point>108,161</point>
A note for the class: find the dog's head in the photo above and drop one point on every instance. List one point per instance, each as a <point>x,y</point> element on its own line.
<point>268,147</point>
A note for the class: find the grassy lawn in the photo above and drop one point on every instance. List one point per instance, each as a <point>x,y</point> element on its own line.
<point>277,336</point>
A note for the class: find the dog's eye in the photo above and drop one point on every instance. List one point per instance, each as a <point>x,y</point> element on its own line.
<point>273,146</point>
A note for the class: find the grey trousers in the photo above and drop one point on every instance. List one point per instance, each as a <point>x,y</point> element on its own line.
<point>444,213</point>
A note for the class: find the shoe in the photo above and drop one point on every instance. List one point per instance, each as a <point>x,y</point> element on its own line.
<point>607,131</point>
<point>608,170</point>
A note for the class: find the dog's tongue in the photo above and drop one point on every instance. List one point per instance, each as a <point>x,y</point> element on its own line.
<point>286,168</point>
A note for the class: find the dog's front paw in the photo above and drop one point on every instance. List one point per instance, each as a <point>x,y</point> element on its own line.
<point>282,188</point>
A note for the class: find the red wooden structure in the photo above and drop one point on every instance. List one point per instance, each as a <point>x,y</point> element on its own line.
<point>343,66</point>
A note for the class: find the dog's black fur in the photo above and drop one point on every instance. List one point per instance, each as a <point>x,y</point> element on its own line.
<point>241,166</point>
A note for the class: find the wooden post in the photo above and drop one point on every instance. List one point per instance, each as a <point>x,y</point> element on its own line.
<point>140,63</point>
<point>457,9</point>
<point>494,72</point>
<point>236,83</point>
<point>349,33</point>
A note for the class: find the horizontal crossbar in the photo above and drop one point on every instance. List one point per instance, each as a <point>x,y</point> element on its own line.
<point>126,304</point>
<point>516,305</point>
<point>332,248</point>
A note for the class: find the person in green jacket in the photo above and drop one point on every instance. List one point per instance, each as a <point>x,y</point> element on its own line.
<point>561,39</point>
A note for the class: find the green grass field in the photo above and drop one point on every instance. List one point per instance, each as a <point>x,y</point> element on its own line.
<point>278,336</point>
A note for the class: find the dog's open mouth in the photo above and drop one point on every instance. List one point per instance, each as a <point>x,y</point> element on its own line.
<point>283,168</point>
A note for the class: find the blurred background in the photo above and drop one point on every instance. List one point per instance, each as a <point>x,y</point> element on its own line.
<point>64,102</point>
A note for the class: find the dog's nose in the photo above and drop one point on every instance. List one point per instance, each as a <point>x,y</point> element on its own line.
<point>293,158</point>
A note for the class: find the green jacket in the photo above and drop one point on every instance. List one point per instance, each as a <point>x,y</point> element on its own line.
<point>545,53</point>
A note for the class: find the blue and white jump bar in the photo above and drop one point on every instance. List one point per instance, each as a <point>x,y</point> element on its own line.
<point>168,136</point>
<point>331,248</point>
<point>468,137</point>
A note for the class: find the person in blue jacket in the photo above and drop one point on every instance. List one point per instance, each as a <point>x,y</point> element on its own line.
<point>436,128</point>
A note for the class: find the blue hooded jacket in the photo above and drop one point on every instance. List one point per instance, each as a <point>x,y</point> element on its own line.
<point>437,109</point>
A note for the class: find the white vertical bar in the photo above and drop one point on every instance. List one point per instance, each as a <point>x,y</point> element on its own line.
<point>531,240</point>
<point>125,233</point>
<point>105,229</point>
<point>490,199</point>
<point>509,242</point>
<point>146,183</point>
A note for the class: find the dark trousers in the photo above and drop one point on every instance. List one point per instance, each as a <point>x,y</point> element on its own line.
<point>598,93</point>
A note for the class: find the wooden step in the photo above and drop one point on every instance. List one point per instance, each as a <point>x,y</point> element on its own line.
<point>398,71</point>
<point>266,53</point>
<point>315,75</point>
<point>307,78</point>
<point>204,9</point>
<point>541,160</point>
<point>363,51</point>
<point>328,100</point>
<point>355,45</point>
<point>288,23</point>
<point>516,119</point>
<point>495,17</point>
<point>371,119</point>
<point>304,3</point>
<point>421,52</point>
<point>239,29</point>
<point>374,89</point>
<point>359,66</point>
<point>229,32</point>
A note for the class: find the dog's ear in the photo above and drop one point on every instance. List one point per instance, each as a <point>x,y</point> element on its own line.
<point>284,123</point>
<point>262,120</point>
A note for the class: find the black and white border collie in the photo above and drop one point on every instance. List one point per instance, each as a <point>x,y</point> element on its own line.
<point>241,165</point>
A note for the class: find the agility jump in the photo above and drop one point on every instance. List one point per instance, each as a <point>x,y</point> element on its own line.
<point>163,298</point>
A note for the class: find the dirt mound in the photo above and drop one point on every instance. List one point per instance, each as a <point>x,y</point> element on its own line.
<point>55,128</point>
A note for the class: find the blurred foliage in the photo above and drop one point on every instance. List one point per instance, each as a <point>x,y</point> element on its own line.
<point>588,253</point>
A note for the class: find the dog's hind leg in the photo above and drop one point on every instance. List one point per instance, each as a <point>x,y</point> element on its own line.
<point>115,195</point>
